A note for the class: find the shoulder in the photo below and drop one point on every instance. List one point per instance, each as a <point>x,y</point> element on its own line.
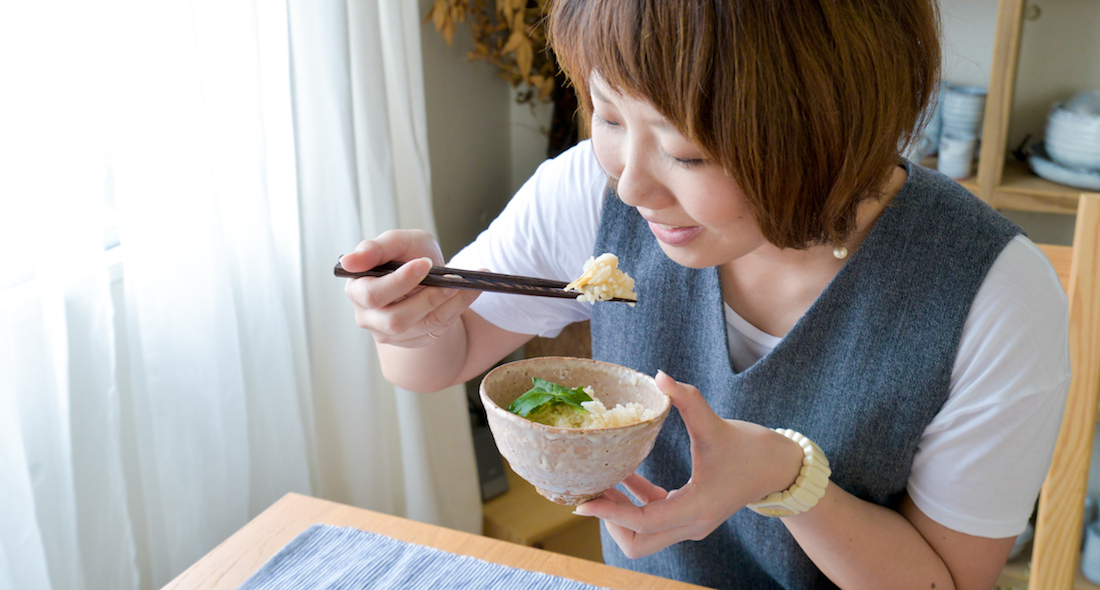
<point>552,220</point>
<point>1018,323</point>
<point>1008,388</point>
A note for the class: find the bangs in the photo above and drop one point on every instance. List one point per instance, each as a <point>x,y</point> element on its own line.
<point>643,49</point>
<point>804,103</point>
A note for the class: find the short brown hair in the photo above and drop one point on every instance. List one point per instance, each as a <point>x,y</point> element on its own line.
<point>805,103</point>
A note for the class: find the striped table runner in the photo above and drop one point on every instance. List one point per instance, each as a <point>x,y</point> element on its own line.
<point>336,558</point>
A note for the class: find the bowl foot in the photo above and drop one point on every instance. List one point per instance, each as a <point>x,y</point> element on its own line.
<point>567,499</point>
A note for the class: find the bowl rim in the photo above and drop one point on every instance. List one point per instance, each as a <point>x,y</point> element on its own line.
<point>493,406</point>
<point>966,89</point>
<point>1065,142</point>
<point>1058,110</point>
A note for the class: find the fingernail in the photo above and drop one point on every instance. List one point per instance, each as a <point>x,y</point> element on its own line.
<point>449,291</point>
<point>579,514</point>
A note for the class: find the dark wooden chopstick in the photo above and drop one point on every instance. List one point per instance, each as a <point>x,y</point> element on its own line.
<point>457,278</point>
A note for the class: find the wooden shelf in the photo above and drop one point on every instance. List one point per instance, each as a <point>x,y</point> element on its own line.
<point>1020,189</point>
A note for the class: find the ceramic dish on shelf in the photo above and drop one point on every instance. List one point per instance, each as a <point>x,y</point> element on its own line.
<point>1046,168</point>
<point>1073,134</point>
<point>963,109</point>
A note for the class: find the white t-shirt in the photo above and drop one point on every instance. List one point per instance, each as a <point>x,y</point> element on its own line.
<point>979,463</point>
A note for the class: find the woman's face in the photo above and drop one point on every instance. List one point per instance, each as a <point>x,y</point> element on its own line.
<point>696,211</point>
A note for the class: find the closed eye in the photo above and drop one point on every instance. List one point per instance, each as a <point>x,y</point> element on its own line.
<point>601,121</point>
<point>686,162</point>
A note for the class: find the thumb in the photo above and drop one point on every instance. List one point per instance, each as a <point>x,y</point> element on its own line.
<point>366,255</point>
<point>691,404</point>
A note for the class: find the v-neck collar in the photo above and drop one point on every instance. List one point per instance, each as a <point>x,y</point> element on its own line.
<point>867,247</point>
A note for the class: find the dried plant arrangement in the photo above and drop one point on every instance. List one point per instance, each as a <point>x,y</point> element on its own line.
<point>511,35</point>
<point>508,34</point>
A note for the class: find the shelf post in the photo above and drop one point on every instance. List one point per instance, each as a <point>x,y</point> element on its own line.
<point>998,104</point>
<point>1062,500</point>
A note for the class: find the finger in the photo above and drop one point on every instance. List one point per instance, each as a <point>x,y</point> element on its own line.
<point>634,544</point>
<point>599,507</point>
<point>392,245</point>
<point>644,490</point>
<point>445,307</point>
<point>699,419</point>
<point>428,311</point>
<point>656,516</point>
<point>379,292</point>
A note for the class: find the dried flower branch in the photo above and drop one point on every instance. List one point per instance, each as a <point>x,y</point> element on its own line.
<point>510,35</point>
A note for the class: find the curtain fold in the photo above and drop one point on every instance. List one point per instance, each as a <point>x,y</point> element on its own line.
<point>217,419</point>
<point>156,396</point>
<point>63,513</point>
<point>363,168</point>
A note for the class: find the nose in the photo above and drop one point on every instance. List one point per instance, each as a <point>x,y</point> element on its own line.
<point>636,182</point>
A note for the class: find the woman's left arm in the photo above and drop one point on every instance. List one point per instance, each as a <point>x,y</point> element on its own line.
<point>857,544</point>
<point>862,545</point>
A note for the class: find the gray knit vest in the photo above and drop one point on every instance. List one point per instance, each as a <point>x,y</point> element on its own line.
<point>862,373</point>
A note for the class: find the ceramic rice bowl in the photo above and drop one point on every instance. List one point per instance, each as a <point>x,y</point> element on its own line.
<point>571,465</point>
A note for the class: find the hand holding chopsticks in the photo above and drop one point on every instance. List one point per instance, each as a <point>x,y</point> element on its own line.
<point>455,278</point>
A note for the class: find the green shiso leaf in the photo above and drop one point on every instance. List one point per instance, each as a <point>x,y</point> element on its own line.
<point>545,395</point>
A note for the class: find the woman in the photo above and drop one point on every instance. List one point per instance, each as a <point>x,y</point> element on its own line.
<point>792,273</point>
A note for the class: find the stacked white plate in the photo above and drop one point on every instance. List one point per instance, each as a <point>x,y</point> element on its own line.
<point>1073,131</point>
<point>1070,152</point>
<point>963,110</point>
<point>1047,168</point>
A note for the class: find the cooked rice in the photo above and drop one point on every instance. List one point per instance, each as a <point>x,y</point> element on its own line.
<point>597,416</point>
<point>602,280</point>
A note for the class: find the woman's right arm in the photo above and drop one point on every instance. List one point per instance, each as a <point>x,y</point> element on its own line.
<point>427,337</point>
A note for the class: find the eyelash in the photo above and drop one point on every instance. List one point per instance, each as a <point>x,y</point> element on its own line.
<point>685,163</point>
<point>689,163</point>
<point>601,121</point>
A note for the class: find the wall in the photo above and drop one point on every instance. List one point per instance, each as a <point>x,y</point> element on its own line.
<point>469,131</point>
<point>1059,55</point>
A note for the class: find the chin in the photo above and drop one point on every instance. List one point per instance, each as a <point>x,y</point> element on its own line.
<point>691,257</point>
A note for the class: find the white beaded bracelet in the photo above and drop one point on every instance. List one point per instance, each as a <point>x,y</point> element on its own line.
<point>810,486</point>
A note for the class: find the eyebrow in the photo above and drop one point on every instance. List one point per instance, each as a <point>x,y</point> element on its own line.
<point>662,122</point>
<point>596,94</point>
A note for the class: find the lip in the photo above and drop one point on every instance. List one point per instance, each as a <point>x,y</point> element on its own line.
<point>672,235</point>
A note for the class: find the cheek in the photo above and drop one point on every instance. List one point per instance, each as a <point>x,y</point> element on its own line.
<point>608,153</point>
<point>722,204</point>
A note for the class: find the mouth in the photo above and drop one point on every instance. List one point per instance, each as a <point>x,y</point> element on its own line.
<point>674,235</point>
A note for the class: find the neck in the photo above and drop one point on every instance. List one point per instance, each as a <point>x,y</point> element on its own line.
<point>772,287</point>
<point>866,217</point>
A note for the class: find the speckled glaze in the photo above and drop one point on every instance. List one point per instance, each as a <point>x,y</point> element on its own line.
<point>569,465</point>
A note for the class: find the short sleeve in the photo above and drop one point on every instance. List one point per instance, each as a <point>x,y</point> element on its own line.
<point>548,230</point>
<point>981,461</point>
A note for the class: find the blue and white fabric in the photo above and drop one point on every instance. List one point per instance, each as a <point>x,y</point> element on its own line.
<point>339,558</point>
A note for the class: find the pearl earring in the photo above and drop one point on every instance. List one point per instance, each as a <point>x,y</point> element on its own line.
<point>840,252</point>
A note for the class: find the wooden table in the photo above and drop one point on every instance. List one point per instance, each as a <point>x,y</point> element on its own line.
<point>239,556</point>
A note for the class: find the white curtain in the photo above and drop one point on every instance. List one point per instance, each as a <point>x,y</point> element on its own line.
<point>156,396</point>
<point>363,169</point>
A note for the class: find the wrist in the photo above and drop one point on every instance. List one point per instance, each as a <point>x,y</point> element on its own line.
<point>784,463</point>
<point>809,481</point>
